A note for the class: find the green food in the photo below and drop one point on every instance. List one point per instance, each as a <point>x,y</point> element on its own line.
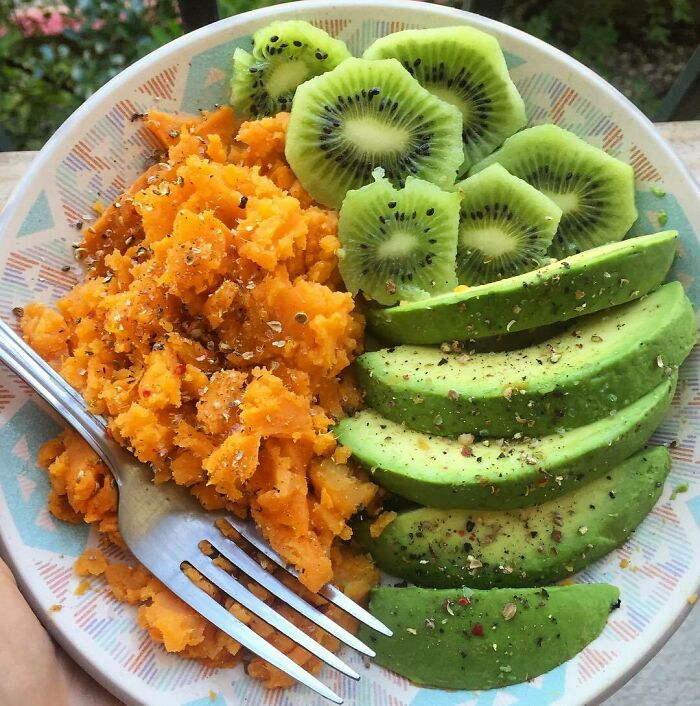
<point>505,227</point>
<point>526,547</point>
<point>602,363</point>
<point>463,639</point>
<point>466,68</point>
<point>498,474</point>
<point>398,244</point>
<point>368,114</point>
<point>285,54</point>
<point>582,284</point>
<point>509,341</point>
<point>594,190</point>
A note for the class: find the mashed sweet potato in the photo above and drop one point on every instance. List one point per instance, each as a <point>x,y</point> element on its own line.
<point>212,332</point>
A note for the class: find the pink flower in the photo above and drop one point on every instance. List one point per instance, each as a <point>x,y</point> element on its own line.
<point>46,21</point>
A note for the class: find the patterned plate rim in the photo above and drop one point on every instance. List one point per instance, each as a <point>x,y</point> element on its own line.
<point>659,631</point>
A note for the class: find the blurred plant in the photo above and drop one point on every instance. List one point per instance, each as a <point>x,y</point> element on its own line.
<point>626,41</point>
<point>52,59</point>
<point>228,8</point>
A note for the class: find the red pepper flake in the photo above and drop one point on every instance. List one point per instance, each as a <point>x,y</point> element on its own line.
<point>146,393</point>
<point>180,368</point>
<point>556,535</point>
<point>478,630</point>
<point>466,451</point>
<point>463,600</point>
<point>461,533</point>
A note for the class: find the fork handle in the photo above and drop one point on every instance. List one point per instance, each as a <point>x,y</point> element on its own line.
<point>49,385</point>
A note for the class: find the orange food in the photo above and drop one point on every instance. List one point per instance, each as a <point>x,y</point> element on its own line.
<point>212,332</point>
<point>381,523</point>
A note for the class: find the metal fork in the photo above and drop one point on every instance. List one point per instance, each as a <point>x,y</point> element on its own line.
<point>164,525</point>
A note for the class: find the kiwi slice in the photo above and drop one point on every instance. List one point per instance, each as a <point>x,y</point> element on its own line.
<point>465,67</point>
<point>398,245</point>
<point>594,190</point>
<point>285,54</point>
<point>505,228</point>
<point>368,114</point>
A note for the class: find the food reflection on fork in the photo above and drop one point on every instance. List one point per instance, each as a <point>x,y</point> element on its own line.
<point>166,530</point>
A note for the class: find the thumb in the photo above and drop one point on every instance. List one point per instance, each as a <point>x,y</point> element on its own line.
<point>32,675</point>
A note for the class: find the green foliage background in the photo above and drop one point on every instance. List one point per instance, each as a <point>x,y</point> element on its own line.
<point>44,78</point>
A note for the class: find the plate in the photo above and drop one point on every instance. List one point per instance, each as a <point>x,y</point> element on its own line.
<point>100,150</point>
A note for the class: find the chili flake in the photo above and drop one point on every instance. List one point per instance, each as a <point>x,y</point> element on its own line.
<point>478,630</point>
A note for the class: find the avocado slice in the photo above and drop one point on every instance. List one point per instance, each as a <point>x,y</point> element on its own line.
<point>514,341</point>
<point>601,364</point>
<point>464,639</point>
<point>527,547</point>
<point>581,284</point>
<point>498,474</point>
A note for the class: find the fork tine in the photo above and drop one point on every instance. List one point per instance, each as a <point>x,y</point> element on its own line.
<point>329,592</point>
<point>219,616</point>
<point>337,597</point>
<point>250,601</point>
<point>241,560</point>
<point>30,353</point>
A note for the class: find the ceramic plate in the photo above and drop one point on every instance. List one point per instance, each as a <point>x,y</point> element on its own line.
<point>100,150</point>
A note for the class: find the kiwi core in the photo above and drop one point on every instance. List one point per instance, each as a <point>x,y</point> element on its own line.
<point>491,241</point>
<point>399,245</point>
<point>286,76</point>
<point>375,137</point>
<point>568,201</point>
<point>449,96</point>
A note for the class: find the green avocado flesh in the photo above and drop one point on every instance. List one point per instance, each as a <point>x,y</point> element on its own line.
<point>595,367</point>
<point>527,547</point>
<point>464,639</point>
<point>496,474</point>
<point>582,284</point>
